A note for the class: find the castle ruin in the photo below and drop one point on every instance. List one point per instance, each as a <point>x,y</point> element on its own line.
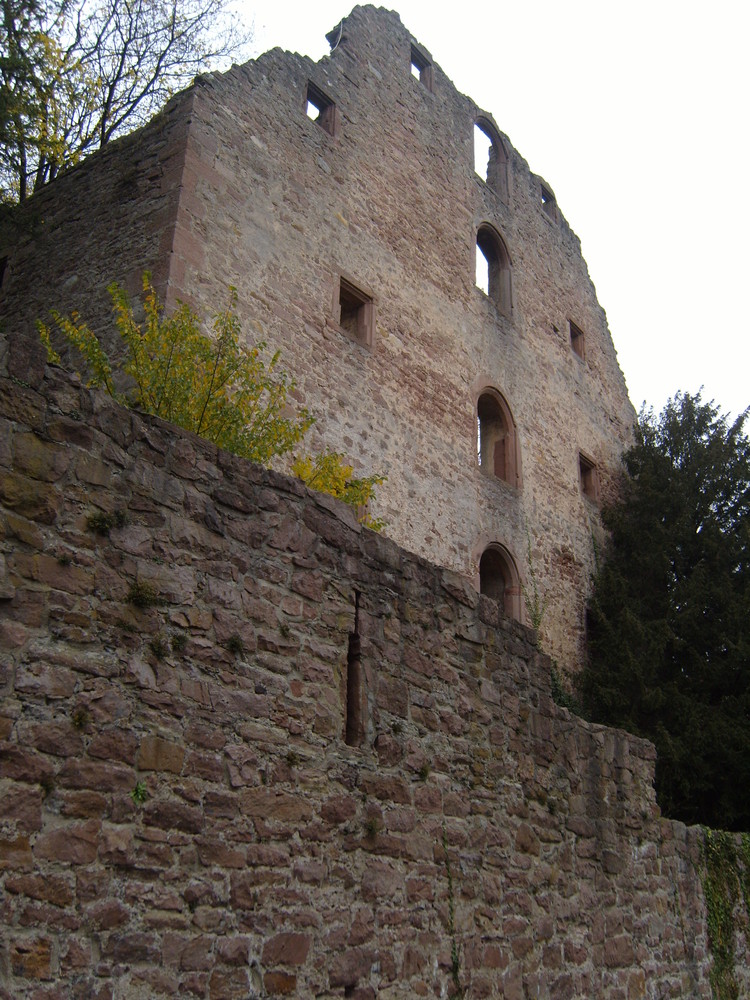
<point>342,199</point>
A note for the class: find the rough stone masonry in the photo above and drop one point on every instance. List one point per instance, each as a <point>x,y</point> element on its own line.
<point>343,200</point>
<point>249,748</point>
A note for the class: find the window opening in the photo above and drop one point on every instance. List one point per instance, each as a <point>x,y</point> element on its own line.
<point>356,313</point>
<point>3,269</point>
<point>490,161</point>
<point>482,151</point>
<point>498,579</point>
<point>589,477</point>
<point>496,438</point>
<point>548,202</point>
<point>577,341</point>
<point>321,109</point>
<point>355,717</point>
<point>493,268</point>
<point>421,67</point>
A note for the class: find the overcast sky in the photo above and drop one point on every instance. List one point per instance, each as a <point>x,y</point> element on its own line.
<point>637,116</point>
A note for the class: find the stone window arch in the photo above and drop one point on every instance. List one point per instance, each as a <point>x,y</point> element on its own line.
<point>499,579</point>
<point>493,267</point>
<point>497,440</point>
<point>490,158</point>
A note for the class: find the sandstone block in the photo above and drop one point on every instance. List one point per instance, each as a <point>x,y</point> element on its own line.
<point>75,843</point>
<point>31,958</point>
<point>288,948</point>
<point>157,754</point>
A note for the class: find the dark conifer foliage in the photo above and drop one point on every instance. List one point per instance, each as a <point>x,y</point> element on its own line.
<point>669,622</point>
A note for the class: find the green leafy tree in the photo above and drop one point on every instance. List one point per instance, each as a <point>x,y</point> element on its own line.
<point>669,621</point>
<point>213,386</point>
<point>75,74</point>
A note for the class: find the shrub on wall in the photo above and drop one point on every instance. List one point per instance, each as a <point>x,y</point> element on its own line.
<point>215,386</point>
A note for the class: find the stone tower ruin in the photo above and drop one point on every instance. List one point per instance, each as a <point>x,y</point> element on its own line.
<point>342,199</point>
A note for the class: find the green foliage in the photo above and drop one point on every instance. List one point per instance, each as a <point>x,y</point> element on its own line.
<point>139,793</point>
<point>371,828</point>
<point>669,631</point>
<point>142,594</point>
<point>213,386</point>
<point>101,523</point>
<point>329,472</point>
<point>178,642</point>
<point>722,878</point>
<point>561,690</point>
<point>235,645</point>
<point>458,992</point>
<point>80,717</point>
<point>158,647</point>
<point>75,74</point>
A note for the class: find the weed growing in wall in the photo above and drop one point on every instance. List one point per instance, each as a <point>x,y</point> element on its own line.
<point>458,992</point>
<point>139,793</point>
<point>101,523</point>
<point>142,594</point>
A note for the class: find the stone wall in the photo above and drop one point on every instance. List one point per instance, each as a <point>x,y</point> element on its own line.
<point>180,814</point>
<point>250,191</point>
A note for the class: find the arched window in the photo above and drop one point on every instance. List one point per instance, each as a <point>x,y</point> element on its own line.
<point>493,268</point>
<point>497,443</point>
<point>498,579</point>
<point>490,160</point>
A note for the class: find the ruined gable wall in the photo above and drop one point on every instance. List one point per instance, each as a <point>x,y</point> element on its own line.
<point>233,184</point>
<point>266,856</point>
<point>278,207</point>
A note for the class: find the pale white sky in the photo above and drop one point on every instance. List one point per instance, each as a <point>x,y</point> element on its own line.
<point>637,116</point>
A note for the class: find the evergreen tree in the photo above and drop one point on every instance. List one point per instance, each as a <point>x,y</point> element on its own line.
<point>669,630</point>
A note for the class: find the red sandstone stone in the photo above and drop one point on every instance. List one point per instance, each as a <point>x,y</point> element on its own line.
<point>30,958</point>
<point>52,888</point>
<point>286,949</point>
<point>279,983</point>
<point>74,843</point>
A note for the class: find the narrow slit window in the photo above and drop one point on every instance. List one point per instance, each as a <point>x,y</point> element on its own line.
<point>354,732</point>
<point>577,340</point>
<point>589,478</point>
<point>421,67</point>
<point>321,109</point>
<point>356,313</point>
<point>3,269</point>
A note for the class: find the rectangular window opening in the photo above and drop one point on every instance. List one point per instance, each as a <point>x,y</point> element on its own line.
<point>321,109</point>
<point>421,67</point>
<point>589,476</point>
<point>356,313</point>
<point>577,340</point>
<point>548,203</point>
